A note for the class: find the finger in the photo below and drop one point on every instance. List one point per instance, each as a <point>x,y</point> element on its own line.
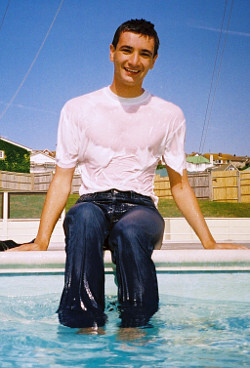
<point>230,246</point>
<point>21,248</point>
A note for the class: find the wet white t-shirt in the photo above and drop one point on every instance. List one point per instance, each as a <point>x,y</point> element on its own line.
<point>117,142</point>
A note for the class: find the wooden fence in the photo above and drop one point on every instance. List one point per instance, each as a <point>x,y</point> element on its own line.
<point>25,182</point>
<point>221,186</point>
<point>11,181</point>
<point>231,186</point>
<point>200,182</point>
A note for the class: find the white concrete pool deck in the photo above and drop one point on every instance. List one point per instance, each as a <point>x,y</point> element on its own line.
<point>172,257</point>
<point>166,245</point>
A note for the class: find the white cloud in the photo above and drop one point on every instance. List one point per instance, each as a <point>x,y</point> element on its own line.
<point>235,33</point>
<point>21,106</point>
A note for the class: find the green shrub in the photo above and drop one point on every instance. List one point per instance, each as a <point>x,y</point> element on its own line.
<point>16,159</point>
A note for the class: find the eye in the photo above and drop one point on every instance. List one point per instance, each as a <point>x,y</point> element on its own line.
<point>126,50</point>
<point>146,54</point>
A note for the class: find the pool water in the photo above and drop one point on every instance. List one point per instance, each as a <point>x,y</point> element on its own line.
<point>203,321</point>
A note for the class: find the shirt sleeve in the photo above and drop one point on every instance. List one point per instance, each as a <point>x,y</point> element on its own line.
<point>67,140</point>
<point>174,154</point>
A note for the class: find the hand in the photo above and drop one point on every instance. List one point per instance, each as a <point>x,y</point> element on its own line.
<point>27,247</point>
<point>225,246</point>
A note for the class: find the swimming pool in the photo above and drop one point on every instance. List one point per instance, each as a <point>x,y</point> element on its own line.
<point>203,320</point>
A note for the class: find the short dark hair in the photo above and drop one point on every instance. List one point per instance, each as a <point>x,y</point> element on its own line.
<point>140,26</point>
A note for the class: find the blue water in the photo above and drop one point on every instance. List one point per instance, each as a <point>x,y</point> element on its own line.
<point>203,321</point>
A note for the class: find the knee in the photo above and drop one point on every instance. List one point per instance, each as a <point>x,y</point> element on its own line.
<point>125,230</point>
<point>81,212</point>
<point>84,218</point>
<point>128,242</point>
<point>142,227</point>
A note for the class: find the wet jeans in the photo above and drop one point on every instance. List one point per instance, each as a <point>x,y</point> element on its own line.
<point>129,225</point>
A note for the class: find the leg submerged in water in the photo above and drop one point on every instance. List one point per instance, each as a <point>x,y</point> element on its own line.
<point>82,301</point>
<point>133,239</point>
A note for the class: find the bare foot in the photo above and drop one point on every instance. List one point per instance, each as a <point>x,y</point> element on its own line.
<point>91,331</point>
<point>130,333</point>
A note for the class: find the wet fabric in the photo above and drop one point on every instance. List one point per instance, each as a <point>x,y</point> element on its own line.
<point>117,142</point>
<point>130,226</point>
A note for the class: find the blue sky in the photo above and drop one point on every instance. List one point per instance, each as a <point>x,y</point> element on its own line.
<point>75,60</point>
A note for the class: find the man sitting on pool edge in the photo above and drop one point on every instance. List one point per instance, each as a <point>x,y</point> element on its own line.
<point>117,135</point>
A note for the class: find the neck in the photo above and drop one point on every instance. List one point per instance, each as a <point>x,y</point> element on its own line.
<point>126,91</point>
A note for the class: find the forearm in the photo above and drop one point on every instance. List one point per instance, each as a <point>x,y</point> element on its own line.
<point>188,205</point>
<point>55,202</point>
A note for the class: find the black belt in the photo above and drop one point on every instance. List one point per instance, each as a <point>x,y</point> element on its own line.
<point>130,194</point>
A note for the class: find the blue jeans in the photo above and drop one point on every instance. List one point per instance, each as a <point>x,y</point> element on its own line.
<point>129,225</point>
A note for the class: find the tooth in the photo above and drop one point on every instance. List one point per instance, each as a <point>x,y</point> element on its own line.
<point>131,70</point>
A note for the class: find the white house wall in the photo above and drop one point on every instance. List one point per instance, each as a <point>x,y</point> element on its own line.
<point>40,158</point>
<point>42,163</point>
<point>197,167</point>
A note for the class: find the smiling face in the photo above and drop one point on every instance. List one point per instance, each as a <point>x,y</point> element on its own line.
<point>133,57</point>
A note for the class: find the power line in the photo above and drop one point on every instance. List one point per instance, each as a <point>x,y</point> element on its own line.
<point>213,86</point>
<point>5,13</point>
<point>33,62</point>
<point>218,74</point>
<point>213,74</point>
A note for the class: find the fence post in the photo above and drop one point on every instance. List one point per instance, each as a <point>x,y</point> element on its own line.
<point>210,186</point>
<point>238,186</point>
<point>32,181</point>
<point>5,214</point>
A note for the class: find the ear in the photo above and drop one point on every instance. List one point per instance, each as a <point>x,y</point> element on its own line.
<point>153,61</point>
<point>111,52</point>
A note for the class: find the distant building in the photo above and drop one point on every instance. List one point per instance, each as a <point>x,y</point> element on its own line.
<point>224,158</point>
<point>225,167</point>
<point>15,157</point>
<point>42,161</point>
<point>216,160</point>
<point>197,163</point>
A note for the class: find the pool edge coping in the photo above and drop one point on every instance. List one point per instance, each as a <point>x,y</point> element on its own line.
<point>165,260</point>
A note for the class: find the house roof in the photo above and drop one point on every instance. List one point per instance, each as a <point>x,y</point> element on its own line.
<point>225,167</point>
<point>197,160</point>
<point>45,152</point>
<point>16,144</point>
<point>41,153</point>
<point>226,156</point>
<point>222,156</point>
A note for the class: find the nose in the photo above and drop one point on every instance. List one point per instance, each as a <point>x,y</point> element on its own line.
<point>134,59</point>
